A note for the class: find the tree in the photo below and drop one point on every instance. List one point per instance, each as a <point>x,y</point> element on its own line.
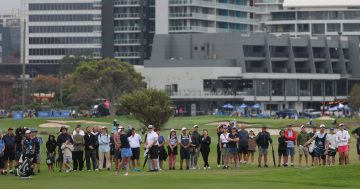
<point>354,99</point>
<point>104,79</point>
<point>149,106</point>
<point>45,84</point>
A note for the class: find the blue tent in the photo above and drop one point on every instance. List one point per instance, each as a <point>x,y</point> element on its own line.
<point>228,106</point>
<point>243,106</point>
<point>256,106</point>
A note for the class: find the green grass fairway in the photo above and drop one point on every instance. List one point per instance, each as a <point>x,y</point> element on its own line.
<point>248,176</point>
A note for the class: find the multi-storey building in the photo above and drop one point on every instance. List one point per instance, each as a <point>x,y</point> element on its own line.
<point>320,17</point>
<point>207,71</point>
<point>204,16</point>
<point>55,28</point>
<point>10,38</point>
<point>264,9</point>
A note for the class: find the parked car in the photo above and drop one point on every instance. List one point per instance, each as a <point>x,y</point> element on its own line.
<point>287,113</point>
<point>311,113</point>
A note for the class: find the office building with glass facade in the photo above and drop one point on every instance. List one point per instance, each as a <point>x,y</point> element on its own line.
<point>209,70</point>
<point>55,28</point>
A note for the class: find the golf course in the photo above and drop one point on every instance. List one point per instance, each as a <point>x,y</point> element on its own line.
<point>247,176</point>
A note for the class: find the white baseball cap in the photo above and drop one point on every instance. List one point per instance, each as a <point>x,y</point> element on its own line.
<point>150,127</point>
<point>322,126</point>
<point>183,129</point>
<point>195,126</point>
<point>27,132</point>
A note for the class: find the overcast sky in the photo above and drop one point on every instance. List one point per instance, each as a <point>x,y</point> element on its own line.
<point>8,5</point>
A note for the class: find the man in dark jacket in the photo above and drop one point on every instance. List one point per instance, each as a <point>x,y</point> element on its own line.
<point>90,151</point>
<point>263,139</point>
<point>196,145</point>
<point>243,144</point>
<point>64,136</point>
<point>10,149</point>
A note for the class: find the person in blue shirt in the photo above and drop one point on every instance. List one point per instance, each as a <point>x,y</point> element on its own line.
<point>104,149</point>
<point>2,149</point>
<point>126,152</point>
<point>37,143</point>
<point>10,149</point>
<point>162,153</point>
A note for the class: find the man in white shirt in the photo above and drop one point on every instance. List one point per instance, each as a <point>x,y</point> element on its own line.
<point>152,145</point>
<point>342,139</point>
<point>135,142</point>
<point>331,138</point>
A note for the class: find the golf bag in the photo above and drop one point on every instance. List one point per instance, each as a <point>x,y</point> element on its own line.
<point>25,168</point>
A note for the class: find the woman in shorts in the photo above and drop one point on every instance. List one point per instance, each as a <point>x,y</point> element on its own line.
<point>126,152</point>
<point>342,139</point>
<point>252,146</point>
<point>232,145</point>
<point>224,147</point>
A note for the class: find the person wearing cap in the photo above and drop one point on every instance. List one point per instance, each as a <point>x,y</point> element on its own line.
<point>37,142</point>
<point>90,152</point>
<point>2,150</point>
<point>152,145</point>
<point>10,149</point>
<point>78,152</point>
<point>312,145</point>
<point>219,131</point>
<point>224,147</point>
<point>331,137</point>
<point>263,139</point>
<point>205,148</point>
<point>104,149</point>
<point>356,134</point>
<point>243,144</point>
<point>233,139</point>
<point>28,145</point>
<point>61,139</point>
<point>184,141</point>
<point>342,139</point>
<point>135,143</point>
<point>290,135</point>
<point>252,146</point>
<point>126,152</point>
<point>196,141</point>
<point>172,149</point>
<point>321,144</point>
<point>302,138</point>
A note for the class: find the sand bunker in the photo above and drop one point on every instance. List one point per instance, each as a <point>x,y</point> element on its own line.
<point>77,121</point>
<point>53,125</point>
<point>325,118</point>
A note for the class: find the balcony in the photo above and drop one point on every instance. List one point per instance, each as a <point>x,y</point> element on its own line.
<point>123,3</point>
<point>213,4</point>
<point>127,55</point>
<point>127,42</point>
<point>124,29</point>
<point>127,15</point>
<point>190,29</point>
<point>97,3</point>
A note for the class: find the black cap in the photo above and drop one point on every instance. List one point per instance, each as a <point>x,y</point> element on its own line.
<point>10,129</point>
<point>78,126</point>
<point>62,128</point>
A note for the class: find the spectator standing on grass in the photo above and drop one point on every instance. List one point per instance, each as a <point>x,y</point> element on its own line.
<point>263,139</point>
<point>172,149</point>
<point>185,141</point>
<point>37,140</point>
<point>90,152</point>
<point>243,144</point>
<point>126,152</point>
<point>252,146</point>
<point>79,144</point>
<point>331,137</point>
<point>312,134</point>
<point>302,138</point>
<point>104,149</point>
<point>117,143</point>
<point>321,144</point>
<point>2,159</point>
<point>205,148</point>
<point>233,139</point>
<point>67,149</point>
<point>290,135</point>
<point>282,149</point>
<point>356,133</point>
<point>224,147</point>
<point>10,149</point>
<point>135,143</point>
<point>51,152</point>
<point>61,139</point>
<point>19,135</point>
<point>219,160</point>
<point>342,139</point>
<point>152,145</point>
<point>162,152</point>
<point>196,144</point>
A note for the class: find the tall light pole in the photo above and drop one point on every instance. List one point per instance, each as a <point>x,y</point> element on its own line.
<point>23,70</point>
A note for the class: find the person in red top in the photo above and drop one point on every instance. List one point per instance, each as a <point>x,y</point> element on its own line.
<point>290,135</point>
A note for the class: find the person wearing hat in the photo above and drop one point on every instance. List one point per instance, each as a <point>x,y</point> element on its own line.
<point>37,140</point>
<point>321,144</point>
<point>356,134</point>
<point>302,138</point>
<point>61,139</point>
<point>152,145</point>
<point>342,139</point>
<point>2,150</point>
<point>331,137</point>
<point>224,147</point>
<point>104,149</point>
<point>219,131</point>
<point>290,135</point>
<point>196,141</point>
<point>10,149</point>
<point>263,139</point>
<point>184,141</point>
<point>252,146</point>
<point>172,149</point>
